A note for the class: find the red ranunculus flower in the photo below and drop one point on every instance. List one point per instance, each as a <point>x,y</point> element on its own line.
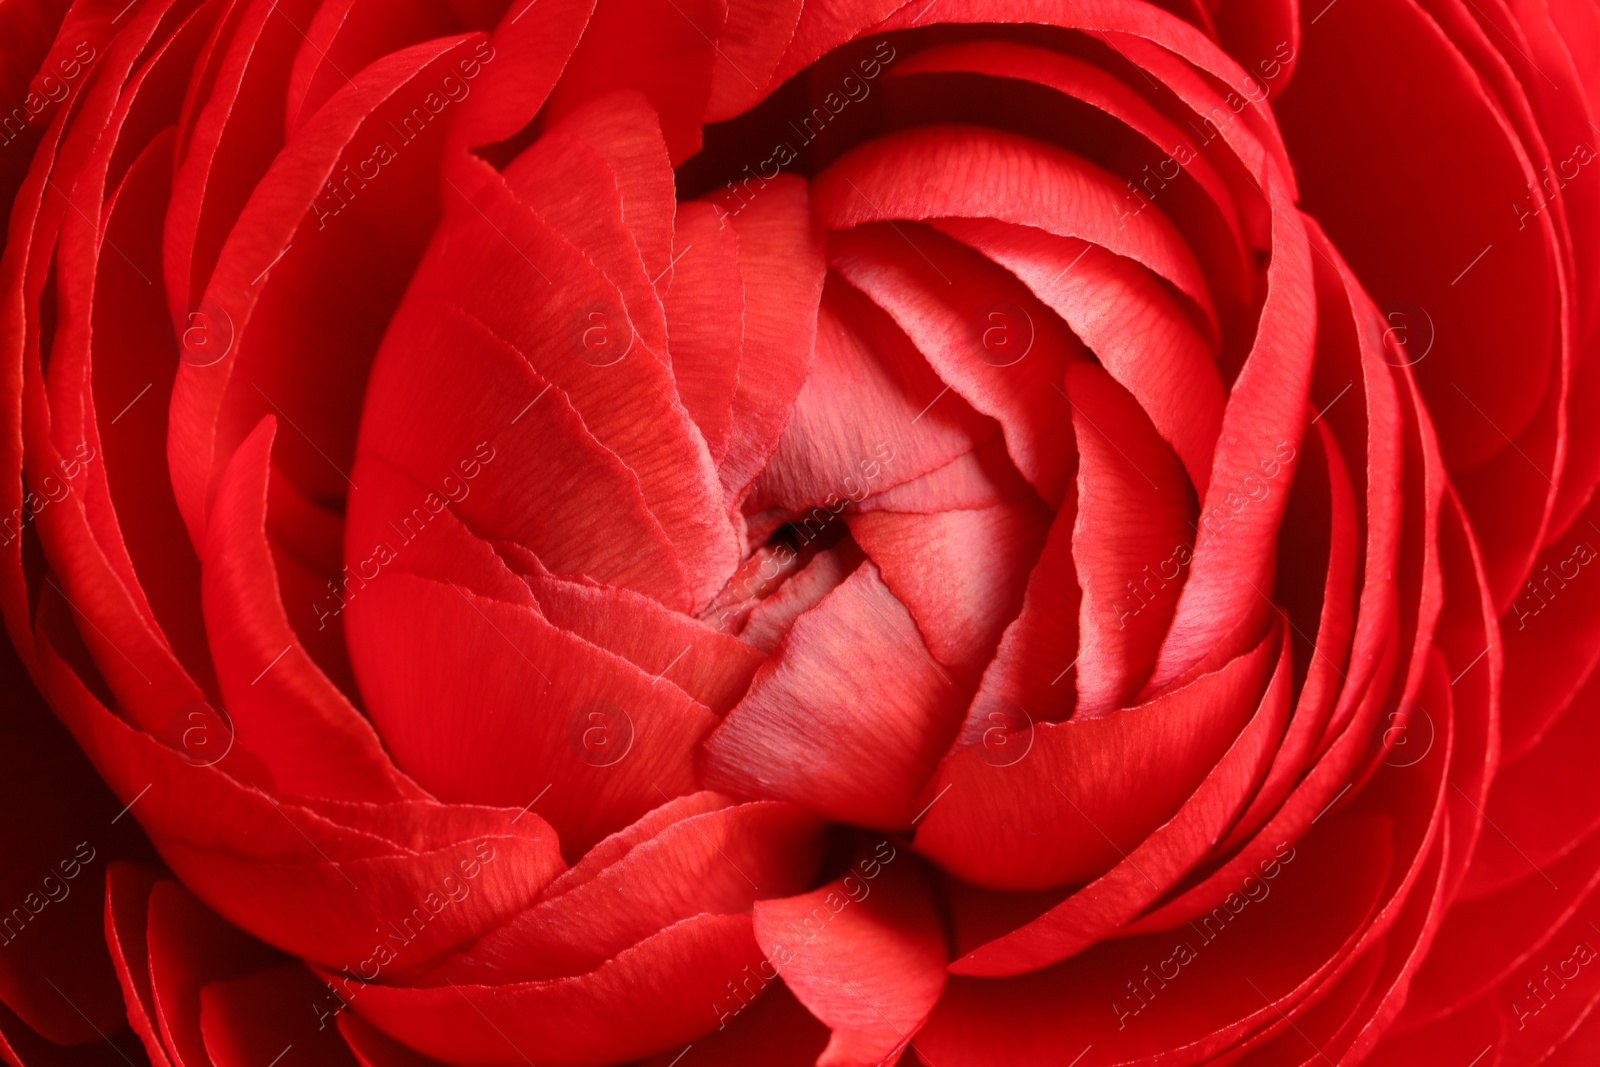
<point>722,532</point>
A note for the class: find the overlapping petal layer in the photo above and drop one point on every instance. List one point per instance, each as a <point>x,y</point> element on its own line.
<point>601,531</point>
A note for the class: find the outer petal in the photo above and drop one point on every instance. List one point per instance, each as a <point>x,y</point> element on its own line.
<point>865,953</point>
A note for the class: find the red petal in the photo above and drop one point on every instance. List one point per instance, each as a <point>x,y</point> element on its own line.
<point>771,619</point>
<point>491,254</point>
<point>290,873</point>
<point>191,947</point>
<point>933,172</point>
<point>1262,429</point>
<point>856,426</point>
<point>571,185</point>
<point>864,953</point>
<point>991,342</point>
<point>982,478</point>
<point>1218,243</point>
<point>748,50</point>
<point>347,35</point>
<point>624,129</point>
<point>1543,800</point>
<point>494,415</point>
<point>667,988</point>
<point>1552,635</point>
<point>711,862</point>
<point>1264,36</point>
<point>847,719</point>
<point>374,1048</point>
<point>713,668</point>
<point>1505,935</point>
<point>242,1018</point>
<point>773,1029</point>
<point>128,888</point>
<point>1329,654</point>
<point>129,492</point>
<point>554,712</point>
<point>1027,680</point>
<point>666,52</point>
<point>1349,141</point>
<point>230,133</point>
<point>1324,894</point>
<point>1479,1033</point>
<point>281,707</point>
<point>961,574</point>
<point>54,970</point>
<point>1127,772</point>
<point>287,269</point>
<point>705,318</point>
<point>532,45</point>
<point>1126,317</point>
<point>780,261</point>
<point>1131,543</point>
<point>1146,872</point>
